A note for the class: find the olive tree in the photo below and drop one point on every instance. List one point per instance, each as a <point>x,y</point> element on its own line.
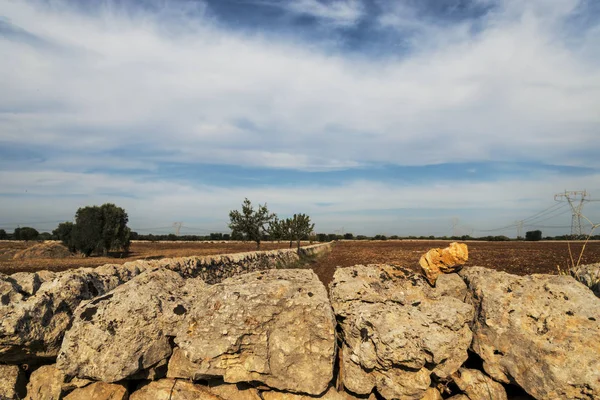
<point>26,233</point>
<point>250,223</point>
<point>301,227</point>
<point>63,232</point>
<point>293,229</point>
<point>99,229</point>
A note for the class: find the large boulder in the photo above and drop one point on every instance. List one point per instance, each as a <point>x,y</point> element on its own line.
<point>99,391</point>
<point>173,389</point>
<point>275,327</point>
<point>443,261</point>
<point>49,383</point>
<point>589,275</point>
<point>331,394</point>
<point>45,383</point>
<point>238,391</point>
<point>12,382</point>
<point>127,330</point>
<point>477,386</point>
<point>397,330</point>
<point>539,331</point>
<point>36,309</point>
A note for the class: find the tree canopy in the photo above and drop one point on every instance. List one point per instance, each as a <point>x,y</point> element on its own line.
<point>250,223</point>
<point>26,233</point>
<point>293,229</point>
<point>97,229</point>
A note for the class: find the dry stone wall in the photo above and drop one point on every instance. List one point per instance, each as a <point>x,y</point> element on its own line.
<point>159,330</point>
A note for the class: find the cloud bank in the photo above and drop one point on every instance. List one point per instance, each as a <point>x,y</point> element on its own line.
<point>95,100</point>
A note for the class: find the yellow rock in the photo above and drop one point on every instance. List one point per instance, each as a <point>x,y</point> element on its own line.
<point>443,261</point>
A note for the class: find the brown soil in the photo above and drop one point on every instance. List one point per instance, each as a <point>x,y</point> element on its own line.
<point>139,250</point>
<point>519,258</point>
<point>43,250</point>
<point>513,257</point>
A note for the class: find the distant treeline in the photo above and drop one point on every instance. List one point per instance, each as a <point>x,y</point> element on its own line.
<point>27,233</point>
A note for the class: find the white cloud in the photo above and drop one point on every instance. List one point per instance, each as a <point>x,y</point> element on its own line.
<point>514,89</point>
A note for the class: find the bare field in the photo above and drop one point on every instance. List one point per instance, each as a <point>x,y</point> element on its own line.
<point>138,250</point>
<point>514,257</point>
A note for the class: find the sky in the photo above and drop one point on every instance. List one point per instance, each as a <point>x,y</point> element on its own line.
<point>406,117</point>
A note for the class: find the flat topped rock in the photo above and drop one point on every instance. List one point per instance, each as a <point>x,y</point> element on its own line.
<point>33,326</point>
<point>276,327</point>
<point>539,331</point>
<point>398,330</point>
<point>126,331</point>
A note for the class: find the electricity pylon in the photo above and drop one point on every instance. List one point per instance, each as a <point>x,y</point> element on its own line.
<point>519,225</point>
<point>576,199</point>
<point>177,226</point>
<point>455,222</point>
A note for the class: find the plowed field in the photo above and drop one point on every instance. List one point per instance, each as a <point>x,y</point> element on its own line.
<point>514,257</point>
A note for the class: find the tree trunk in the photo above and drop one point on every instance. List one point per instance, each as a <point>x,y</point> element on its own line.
<point>291,243</point>
<point>258,245</point>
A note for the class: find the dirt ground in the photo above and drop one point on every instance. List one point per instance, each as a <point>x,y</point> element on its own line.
<point>139,250</point>
<point>514,257</point>
<point>519,258</point>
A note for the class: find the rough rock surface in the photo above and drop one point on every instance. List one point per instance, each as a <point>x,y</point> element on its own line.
<point>45,383</point>
<point>331,394</point>
<point>28,283</point>
<point>99,391</point>
<point>432,394</point>
<point>125,331</point>
<point>477,386</point>
<point>540,331</point>
<point>443,261</point>
<point>173,389</point>
<point>275,327</point>
<point>49,383</point>
<point>398,330</point>
<point>239,391</point>
<point>33,326</point>
<point>589,275</point>
<point>12,382</point>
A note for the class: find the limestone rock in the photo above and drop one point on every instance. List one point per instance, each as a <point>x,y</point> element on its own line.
<point>443,261</point>
<point>459,397</point>
<point>432,394</point>
<point>173,389</point>
<point>32,327</point>
<point>12,382</point>
<point>125,331</point>
<point>331,394</point>
<point>477,386</point>
<point>539,331</point>
<point>153,373</point>
<point>99,391</point>
<point>274,327</point>
<point>398,330</point>
<point>45,383</point>
<point>49,383</point>
<point>589,275</point>
<point>28,282</point>
<point>181,367</point>
<point>239,391</point>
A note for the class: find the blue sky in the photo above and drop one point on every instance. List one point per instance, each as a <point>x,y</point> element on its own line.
<point>372,116</point>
